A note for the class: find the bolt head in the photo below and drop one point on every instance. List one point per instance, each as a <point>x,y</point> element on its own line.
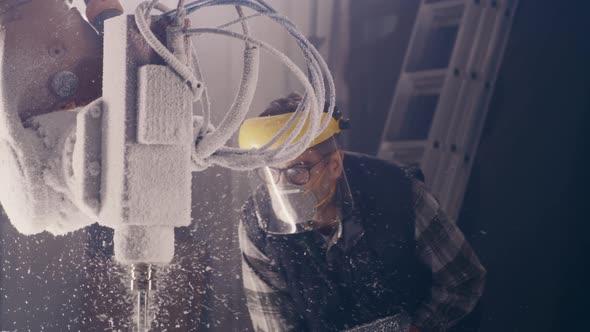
<point>65,84</point>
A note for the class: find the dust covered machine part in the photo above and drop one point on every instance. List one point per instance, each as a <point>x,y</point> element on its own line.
<point>115,159</point>
<point>111,137</point>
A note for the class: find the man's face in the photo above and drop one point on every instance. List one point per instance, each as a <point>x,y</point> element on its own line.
<point>324,170</point>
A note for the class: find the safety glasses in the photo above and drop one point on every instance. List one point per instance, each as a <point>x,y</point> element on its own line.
<point>298,174</point>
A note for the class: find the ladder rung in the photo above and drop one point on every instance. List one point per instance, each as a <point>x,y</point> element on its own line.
<point>434,35</point>
<point>439,2</point>
<point>396,145</point>
<point>409,156</point>
<point>443,93</point>
<point>426,81</point>
<point>445,13</point>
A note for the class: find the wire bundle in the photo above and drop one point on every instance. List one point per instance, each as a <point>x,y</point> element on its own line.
<point>211,147</point>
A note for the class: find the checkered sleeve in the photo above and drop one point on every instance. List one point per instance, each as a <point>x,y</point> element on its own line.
<point>269,303</point>
<point>457,275</point>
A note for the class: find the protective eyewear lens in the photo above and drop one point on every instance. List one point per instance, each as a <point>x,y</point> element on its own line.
<point>269,175</point>
<point>298,175</point>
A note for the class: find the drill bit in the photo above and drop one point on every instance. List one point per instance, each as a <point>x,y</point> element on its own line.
<point>142,284</point>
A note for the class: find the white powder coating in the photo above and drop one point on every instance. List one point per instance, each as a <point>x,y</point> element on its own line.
<point>162,108</point>
<point>134,174</point>
<point>147,144</point>
<point>86,161</point>
<point>158,190</point>
<point>141,244</point>
<point>239,109</point>
<point>34,193</point>
<point>124,160</point>
<point>127,162</point>
<point>211,148</point>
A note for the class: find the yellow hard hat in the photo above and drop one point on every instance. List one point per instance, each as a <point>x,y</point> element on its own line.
<point>256,132</point>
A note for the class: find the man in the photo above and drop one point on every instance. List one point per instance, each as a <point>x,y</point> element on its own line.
<point>335,240</point>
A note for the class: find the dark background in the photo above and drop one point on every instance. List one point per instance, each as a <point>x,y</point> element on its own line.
<point>525,207</point>
<point>524,211</point>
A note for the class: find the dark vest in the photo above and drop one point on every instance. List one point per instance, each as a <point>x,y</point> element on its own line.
<point>378,276</point>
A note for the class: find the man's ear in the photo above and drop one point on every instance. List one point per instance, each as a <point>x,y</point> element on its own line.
<point>335,166</point>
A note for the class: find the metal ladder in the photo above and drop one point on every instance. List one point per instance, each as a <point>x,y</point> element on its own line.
<point>442,96</point>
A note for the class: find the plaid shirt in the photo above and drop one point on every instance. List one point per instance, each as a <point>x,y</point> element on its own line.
<point>457,275</point>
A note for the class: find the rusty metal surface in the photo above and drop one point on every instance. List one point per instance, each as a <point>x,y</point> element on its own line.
<point>43,43</point>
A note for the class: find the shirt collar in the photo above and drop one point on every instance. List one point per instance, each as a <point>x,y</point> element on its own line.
<point>347,233</point>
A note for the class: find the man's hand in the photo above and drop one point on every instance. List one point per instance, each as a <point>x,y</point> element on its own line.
<point>413,329</point>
